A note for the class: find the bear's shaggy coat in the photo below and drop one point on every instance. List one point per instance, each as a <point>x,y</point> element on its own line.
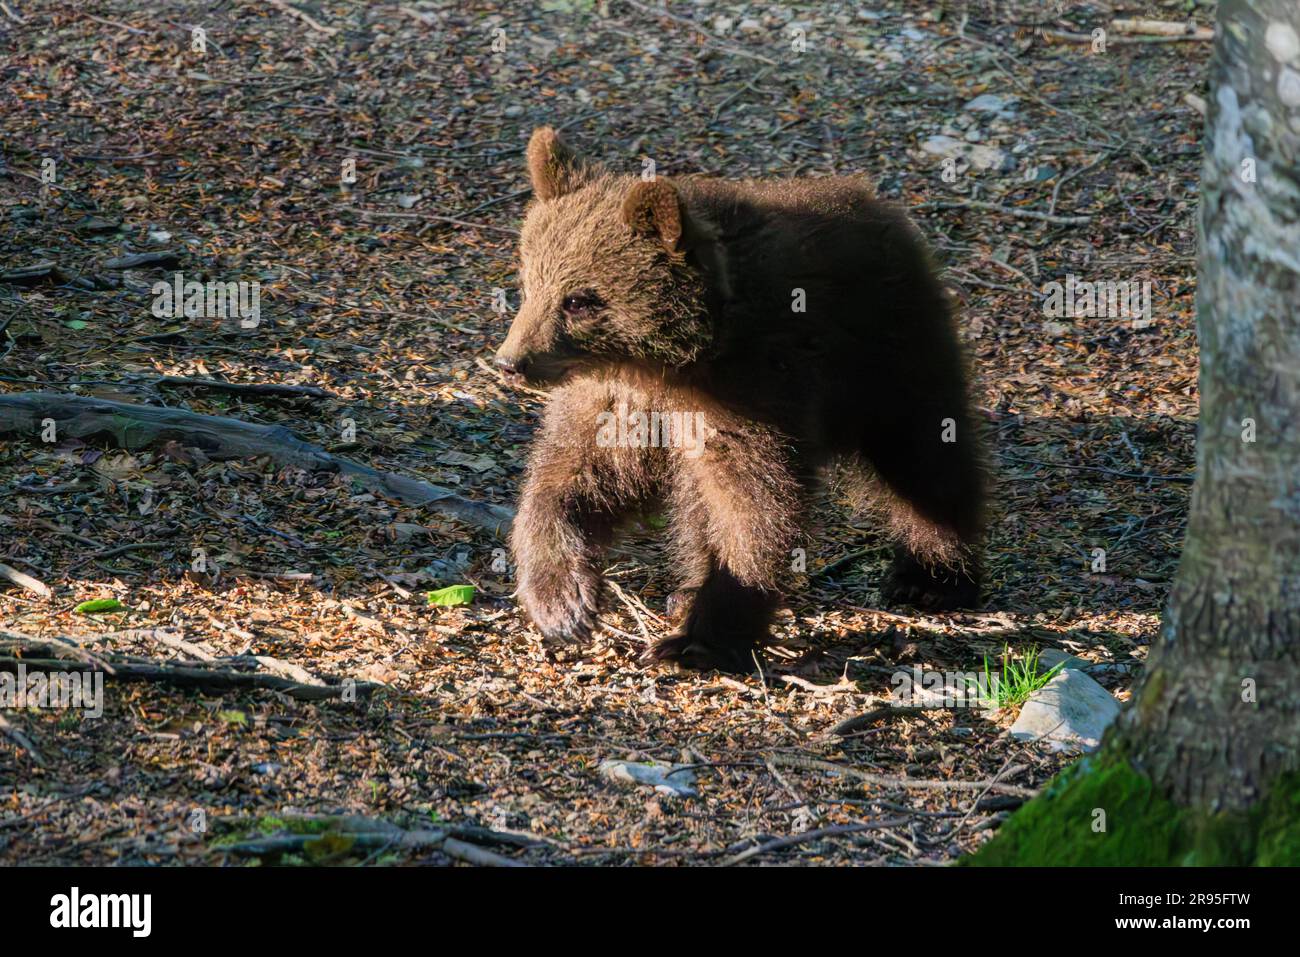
<point>801,321</point>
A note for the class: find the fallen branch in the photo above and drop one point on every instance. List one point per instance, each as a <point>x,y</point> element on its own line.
<point>245,388</point>
<point>208,679</point>
<point>857,722</point>
<point>352,832</point>
<point>382,214</point>
<point>1148,476</point>
<point>120,550</point>
<point>161,259</point>
<point>56,646</point>
<point>35,273</point>
<point>27,581</point>
<point>134,427</point>
<point>830,568</point>
<point>882,780</point>
<point>1186,30</point>
<point>1009,211</point>
<point>174,641</point>
<point>52,654</point>
<point>45,806</point>
<point>806,836</point>
<point>1127,32</point>
<point>20,739</point>
<point>714,40</point>
<point>304,17</point>
<point>1068,36</point>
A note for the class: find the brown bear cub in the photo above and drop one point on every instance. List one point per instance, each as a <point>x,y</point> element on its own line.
<point>716,346</point>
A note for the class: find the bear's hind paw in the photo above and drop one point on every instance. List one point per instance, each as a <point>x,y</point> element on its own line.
<point>686,651</point>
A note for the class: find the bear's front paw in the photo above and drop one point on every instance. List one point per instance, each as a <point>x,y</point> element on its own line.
<point>686,650</point>
<point>563,604</point>
<point>939,589</point>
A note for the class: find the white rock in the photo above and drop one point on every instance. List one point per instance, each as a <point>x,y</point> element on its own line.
<point>1288,87</point>
<point>1068,714</point>
<point>990,103</point>
<point>1049,658</point>
<point>1282,42</point>
<point>980,156</point>
<point>676,780</point>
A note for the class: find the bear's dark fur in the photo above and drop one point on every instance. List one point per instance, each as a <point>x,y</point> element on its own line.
<point>680,297</point>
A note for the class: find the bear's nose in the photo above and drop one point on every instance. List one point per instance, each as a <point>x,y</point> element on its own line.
<point>512,366</point>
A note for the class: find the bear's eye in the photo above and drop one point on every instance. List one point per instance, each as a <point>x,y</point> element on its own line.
<point>584,301</point>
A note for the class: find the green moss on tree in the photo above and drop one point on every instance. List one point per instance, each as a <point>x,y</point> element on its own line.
<point>1063,825</point>
<point>1278,844</point>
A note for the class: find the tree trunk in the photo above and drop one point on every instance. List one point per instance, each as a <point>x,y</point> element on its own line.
<point>1202,768</point>
<point>1218,714</point>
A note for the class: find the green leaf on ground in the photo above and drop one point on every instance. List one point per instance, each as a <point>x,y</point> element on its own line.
<point>452,595</point>
<point>98,606</point>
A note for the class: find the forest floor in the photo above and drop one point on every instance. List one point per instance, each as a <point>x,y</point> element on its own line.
<point>231,159</point>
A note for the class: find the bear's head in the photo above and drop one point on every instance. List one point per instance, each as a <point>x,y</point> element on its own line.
<point>608,275</point>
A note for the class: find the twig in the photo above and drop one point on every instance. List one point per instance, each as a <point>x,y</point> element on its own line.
<point>1010,211</point>
<point>829,569</point>
<point>305,18</point>
<point>173,640</point>
<point>921,784</point>
<point>56,645</point>
<point>383,836</point>
<point>979,797</point>
<point>850,725</point>
<point>27,581</point>
<point>289,670</point>
<point>20,739</point>
<point>1195,102</point>
<point>430,216</point>
<point>187,676</point>
<point>472,854</point>
<point>247,388</point>
<point>114,23</point>
<point>717,110</point>
<point>802,802</point>
<point>1072,37</point>
<point>119,550</point>
<point>803,838</point>
<point>34,812</point>
<point>1187,30</point>
<point>715,41</point>
<point>1185,479</point>
<point>622,596</point>
<point>1056,190</point>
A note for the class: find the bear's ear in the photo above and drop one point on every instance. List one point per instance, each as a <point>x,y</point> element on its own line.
<point>654,209</point>
<point>553,167</point>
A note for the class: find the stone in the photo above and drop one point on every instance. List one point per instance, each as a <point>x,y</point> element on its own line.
<point>1282,42</point>
<point>979,156</point>
<point>1049,658</point>
<point>990,103</point>
<point>672,780</point>
<point>1069,713</point>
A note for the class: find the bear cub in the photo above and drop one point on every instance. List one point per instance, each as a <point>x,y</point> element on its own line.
<point>717,346</point>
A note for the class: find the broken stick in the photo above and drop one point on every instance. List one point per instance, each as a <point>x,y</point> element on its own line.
<point>135,427</point>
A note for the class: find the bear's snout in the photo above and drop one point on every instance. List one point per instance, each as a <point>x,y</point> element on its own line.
<point>511,365</point>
